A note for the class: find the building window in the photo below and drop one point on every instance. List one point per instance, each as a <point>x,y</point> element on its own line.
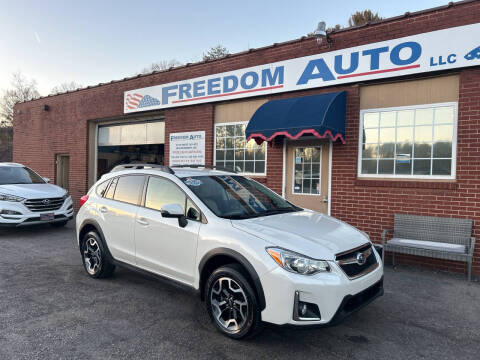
<point>307,170</point>
<point>233,152</point>
<point>408,142</point>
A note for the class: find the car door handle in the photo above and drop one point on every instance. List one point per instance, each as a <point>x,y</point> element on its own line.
<point>103,209</point>
<point>142,221</point>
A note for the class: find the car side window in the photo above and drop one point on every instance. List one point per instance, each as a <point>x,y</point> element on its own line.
<point>162,192</point>
<point>111,189</point>
<point>102,188</point>
<point>192,212</point>
<point>129,188</point>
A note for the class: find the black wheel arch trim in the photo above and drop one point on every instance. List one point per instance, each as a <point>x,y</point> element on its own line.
<point>244,262</point>
<point>100,232</point>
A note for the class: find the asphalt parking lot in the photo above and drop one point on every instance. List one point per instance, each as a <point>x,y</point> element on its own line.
<point>49,308</point>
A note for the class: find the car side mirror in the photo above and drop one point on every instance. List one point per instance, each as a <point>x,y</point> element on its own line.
<point>175,211</point>
<point>47,180</point>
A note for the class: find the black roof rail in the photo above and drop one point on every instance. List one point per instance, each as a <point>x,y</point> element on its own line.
<point>163,168</point>
<point>213,167</point>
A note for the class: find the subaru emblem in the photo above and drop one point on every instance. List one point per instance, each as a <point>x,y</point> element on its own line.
<point>361,259</point>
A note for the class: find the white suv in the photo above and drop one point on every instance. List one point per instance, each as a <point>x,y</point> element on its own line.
<point>252,256</point>
<point>28,199</point>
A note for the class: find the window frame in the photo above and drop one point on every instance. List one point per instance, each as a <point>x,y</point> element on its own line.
<point>215,149</point>
<point>453,174</point>
<point>293,170</point>
<point>202,220</point>
<point>108,181</point>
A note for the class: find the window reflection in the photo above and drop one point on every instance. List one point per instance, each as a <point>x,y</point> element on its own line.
<point>408,142</point>
<point>234,153</point>
<point>307,170</point>
<point>162,192</point>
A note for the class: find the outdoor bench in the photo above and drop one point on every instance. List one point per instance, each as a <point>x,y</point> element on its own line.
<point>435,237</point>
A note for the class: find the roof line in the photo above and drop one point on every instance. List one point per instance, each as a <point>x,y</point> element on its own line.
<point>303,38</point>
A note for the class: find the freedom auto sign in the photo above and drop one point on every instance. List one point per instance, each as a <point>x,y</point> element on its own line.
<point>433,51</point>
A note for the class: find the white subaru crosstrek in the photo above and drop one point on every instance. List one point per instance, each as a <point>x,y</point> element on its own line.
<point>28,199</point>
<point>252,256</point>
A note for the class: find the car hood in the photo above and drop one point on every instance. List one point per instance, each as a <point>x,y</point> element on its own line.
<point>33,191</point>
<point>306,232</point>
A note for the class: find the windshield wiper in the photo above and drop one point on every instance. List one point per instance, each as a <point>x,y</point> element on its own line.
<point>238,216</point>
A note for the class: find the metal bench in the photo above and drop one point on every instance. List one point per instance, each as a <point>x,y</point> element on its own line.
<point>435,237</point>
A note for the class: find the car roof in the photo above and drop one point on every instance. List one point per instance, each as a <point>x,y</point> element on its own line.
<point>180,172</point>
<point>186,172</point>
<point>11,164</point>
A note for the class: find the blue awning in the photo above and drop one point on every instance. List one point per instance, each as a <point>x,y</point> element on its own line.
<point>319,115</point>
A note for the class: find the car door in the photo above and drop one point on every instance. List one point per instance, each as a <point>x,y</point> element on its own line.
<point>162,246</point>
<point>118,209</point>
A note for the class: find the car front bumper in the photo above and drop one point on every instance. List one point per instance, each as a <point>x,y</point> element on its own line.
<point>27,217</point>
<point>333,292</point>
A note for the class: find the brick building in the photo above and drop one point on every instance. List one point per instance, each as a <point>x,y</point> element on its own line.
<point>406,140</point>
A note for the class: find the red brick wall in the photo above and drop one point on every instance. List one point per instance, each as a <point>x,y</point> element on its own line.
<point>39,135</point>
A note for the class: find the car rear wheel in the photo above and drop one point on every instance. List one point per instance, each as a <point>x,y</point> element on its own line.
<point>232,303</point>
<point>95,258</point>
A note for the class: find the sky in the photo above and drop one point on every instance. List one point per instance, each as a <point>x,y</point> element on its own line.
<point>90,42</point>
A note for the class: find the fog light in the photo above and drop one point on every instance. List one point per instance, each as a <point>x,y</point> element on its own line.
<point>304,311</point>
<point>10,212</point>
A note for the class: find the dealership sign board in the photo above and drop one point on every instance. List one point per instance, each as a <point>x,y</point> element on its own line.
<point>433,51</point>
<point>187,148</point>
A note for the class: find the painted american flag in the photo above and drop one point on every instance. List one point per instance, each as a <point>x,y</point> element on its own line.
<point>136,101</point>
<point>133,100</point>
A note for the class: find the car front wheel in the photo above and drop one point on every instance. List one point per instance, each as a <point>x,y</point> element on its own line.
<point>94,255</point>
<point>232,303</point>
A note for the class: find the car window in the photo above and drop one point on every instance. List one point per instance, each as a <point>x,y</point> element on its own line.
<point>192,213</point>
<point>19,175</point>
<point>111,189</point>
<point>237,197</point>
<point>129,188</point>
<point>162,192</point>
<point>101,188</point>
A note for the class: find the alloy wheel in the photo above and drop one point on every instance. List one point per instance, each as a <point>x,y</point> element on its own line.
<point>229,304</point>
<point>92,256</point>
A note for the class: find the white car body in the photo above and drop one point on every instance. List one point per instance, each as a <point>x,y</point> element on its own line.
<point>142,238</point>
<point>36,202</point>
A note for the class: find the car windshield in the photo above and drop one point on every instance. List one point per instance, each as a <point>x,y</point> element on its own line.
<point>19,175</point>
<point>237,197</point>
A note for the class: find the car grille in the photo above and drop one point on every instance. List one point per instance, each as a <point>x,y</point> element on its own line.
<point>350,264</point>
<point>50,204</point>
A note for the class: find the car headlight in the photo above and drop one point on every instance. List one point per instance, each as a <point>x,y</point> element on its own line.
<point>7,197</point>
<point>297,263</point>
<point>66,196</point>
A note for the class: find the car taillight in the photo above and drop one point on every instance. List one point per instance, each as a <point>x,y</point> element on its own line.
<point>83,200</point>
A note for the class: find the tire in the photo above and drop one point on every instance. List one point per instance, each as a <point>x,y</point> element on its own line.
<point>59,224</point>
<point>95,259</point>
<point>239,315</point>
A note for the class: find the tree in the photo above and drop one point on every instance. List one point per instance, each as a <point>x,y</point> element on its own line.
<point>161,65</point>
<point>64,87</point>
<point>215,52</point>
<point>334,28</point>
<point>363,17</point>
<point>22,89</point>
